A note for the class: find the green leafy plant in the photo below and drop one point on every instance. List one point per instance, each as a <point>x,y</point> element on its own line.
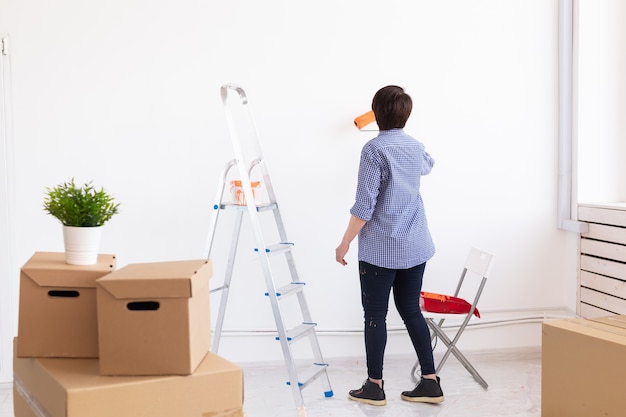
<point>80,206</point>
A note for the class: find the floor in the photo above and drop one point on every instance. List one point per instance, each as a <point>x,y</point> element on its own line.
<point>514,378</point>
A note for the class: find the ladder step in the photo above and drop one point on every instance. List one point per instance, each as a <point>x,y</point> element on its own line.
<point>223,287</point>
<point>311,373</point>
<point>289,289</point>
<point>299,332</point>
<point>277,248</point>
<point>239,207</point>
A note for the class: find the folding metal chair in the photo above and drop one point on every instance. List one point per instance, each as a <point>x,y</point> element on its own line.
<point>439,307</point>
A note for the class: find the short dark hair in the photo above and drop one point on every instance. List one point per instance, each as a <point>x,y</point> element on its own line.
<point>392,107</point>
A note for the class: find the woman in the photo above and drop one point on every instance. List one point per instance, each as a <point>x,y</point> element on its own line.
<point>394,244</point>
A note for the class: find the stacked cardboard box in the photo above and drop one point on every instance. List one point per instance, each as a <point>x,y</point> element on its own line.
<point>95,341</point>
<point>583,367</point>
<point>57,311</point>
<point>164,308</point>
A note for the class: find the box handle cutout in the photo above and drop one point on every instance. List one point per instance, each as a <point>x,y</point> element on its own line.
<point>143,305</point>
<point>63,293</point>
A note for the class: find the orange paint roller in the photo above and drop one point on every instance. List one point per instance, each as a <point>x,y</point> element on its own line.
<point>364,119</point>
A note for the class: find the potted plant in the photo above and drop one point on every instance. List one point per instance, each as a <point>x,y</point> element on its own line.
<point>82,210</point>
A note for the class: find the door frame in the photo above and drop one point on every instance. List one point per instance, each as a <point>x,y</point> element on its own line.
<point>8,268</point>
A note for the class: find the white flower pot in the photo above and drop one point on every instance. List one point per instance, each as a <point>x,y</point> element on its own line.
<point>81,244</point>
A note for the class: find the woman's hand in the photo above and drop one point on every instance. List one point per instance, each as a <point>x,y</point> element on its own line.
<point>341,251</point>
<point>354,226</point>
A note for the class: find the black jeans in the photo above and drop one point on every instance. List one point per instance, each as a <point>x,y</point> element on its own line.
<point>376,285</point>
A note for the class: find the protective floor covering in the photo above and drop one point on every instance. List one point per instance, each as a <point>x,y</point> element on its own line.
<point>514,378</point>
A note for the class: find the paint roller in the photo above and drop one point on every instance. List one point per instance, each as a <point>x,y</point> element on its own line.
<point>364,119</point>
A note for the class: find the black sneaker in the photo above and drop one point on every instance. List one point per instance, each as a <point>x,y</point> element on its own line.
<point>369,393</point>
<point>427,391</point>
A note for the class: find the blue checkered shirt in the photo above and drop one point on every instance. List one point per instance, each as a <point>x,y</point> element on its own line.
<point>396,234</point>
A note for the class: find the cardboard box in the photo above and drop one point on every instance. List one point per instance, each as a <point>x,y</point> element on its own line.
<point>57,311</point>
<point>154,318</point>
<point>583,367</point>
<point>63,387</point>
<point>21,407</point>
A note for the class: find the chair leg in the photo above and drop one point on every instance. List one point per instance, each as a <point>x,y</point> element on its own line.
<point>451,345</point>
<point>414,377</point>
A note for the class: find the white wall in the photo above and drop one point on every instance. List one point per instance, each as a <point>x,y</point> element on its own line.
<point>126,93</point>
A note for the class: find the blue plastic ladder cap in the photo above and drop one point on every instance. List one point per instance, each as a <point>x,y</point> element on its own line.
<point>289,339</point>
<point>328,394</point>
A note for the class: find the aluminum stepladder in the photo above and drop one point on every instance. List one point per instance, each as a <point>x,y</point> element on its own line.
<point>292,285</point>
